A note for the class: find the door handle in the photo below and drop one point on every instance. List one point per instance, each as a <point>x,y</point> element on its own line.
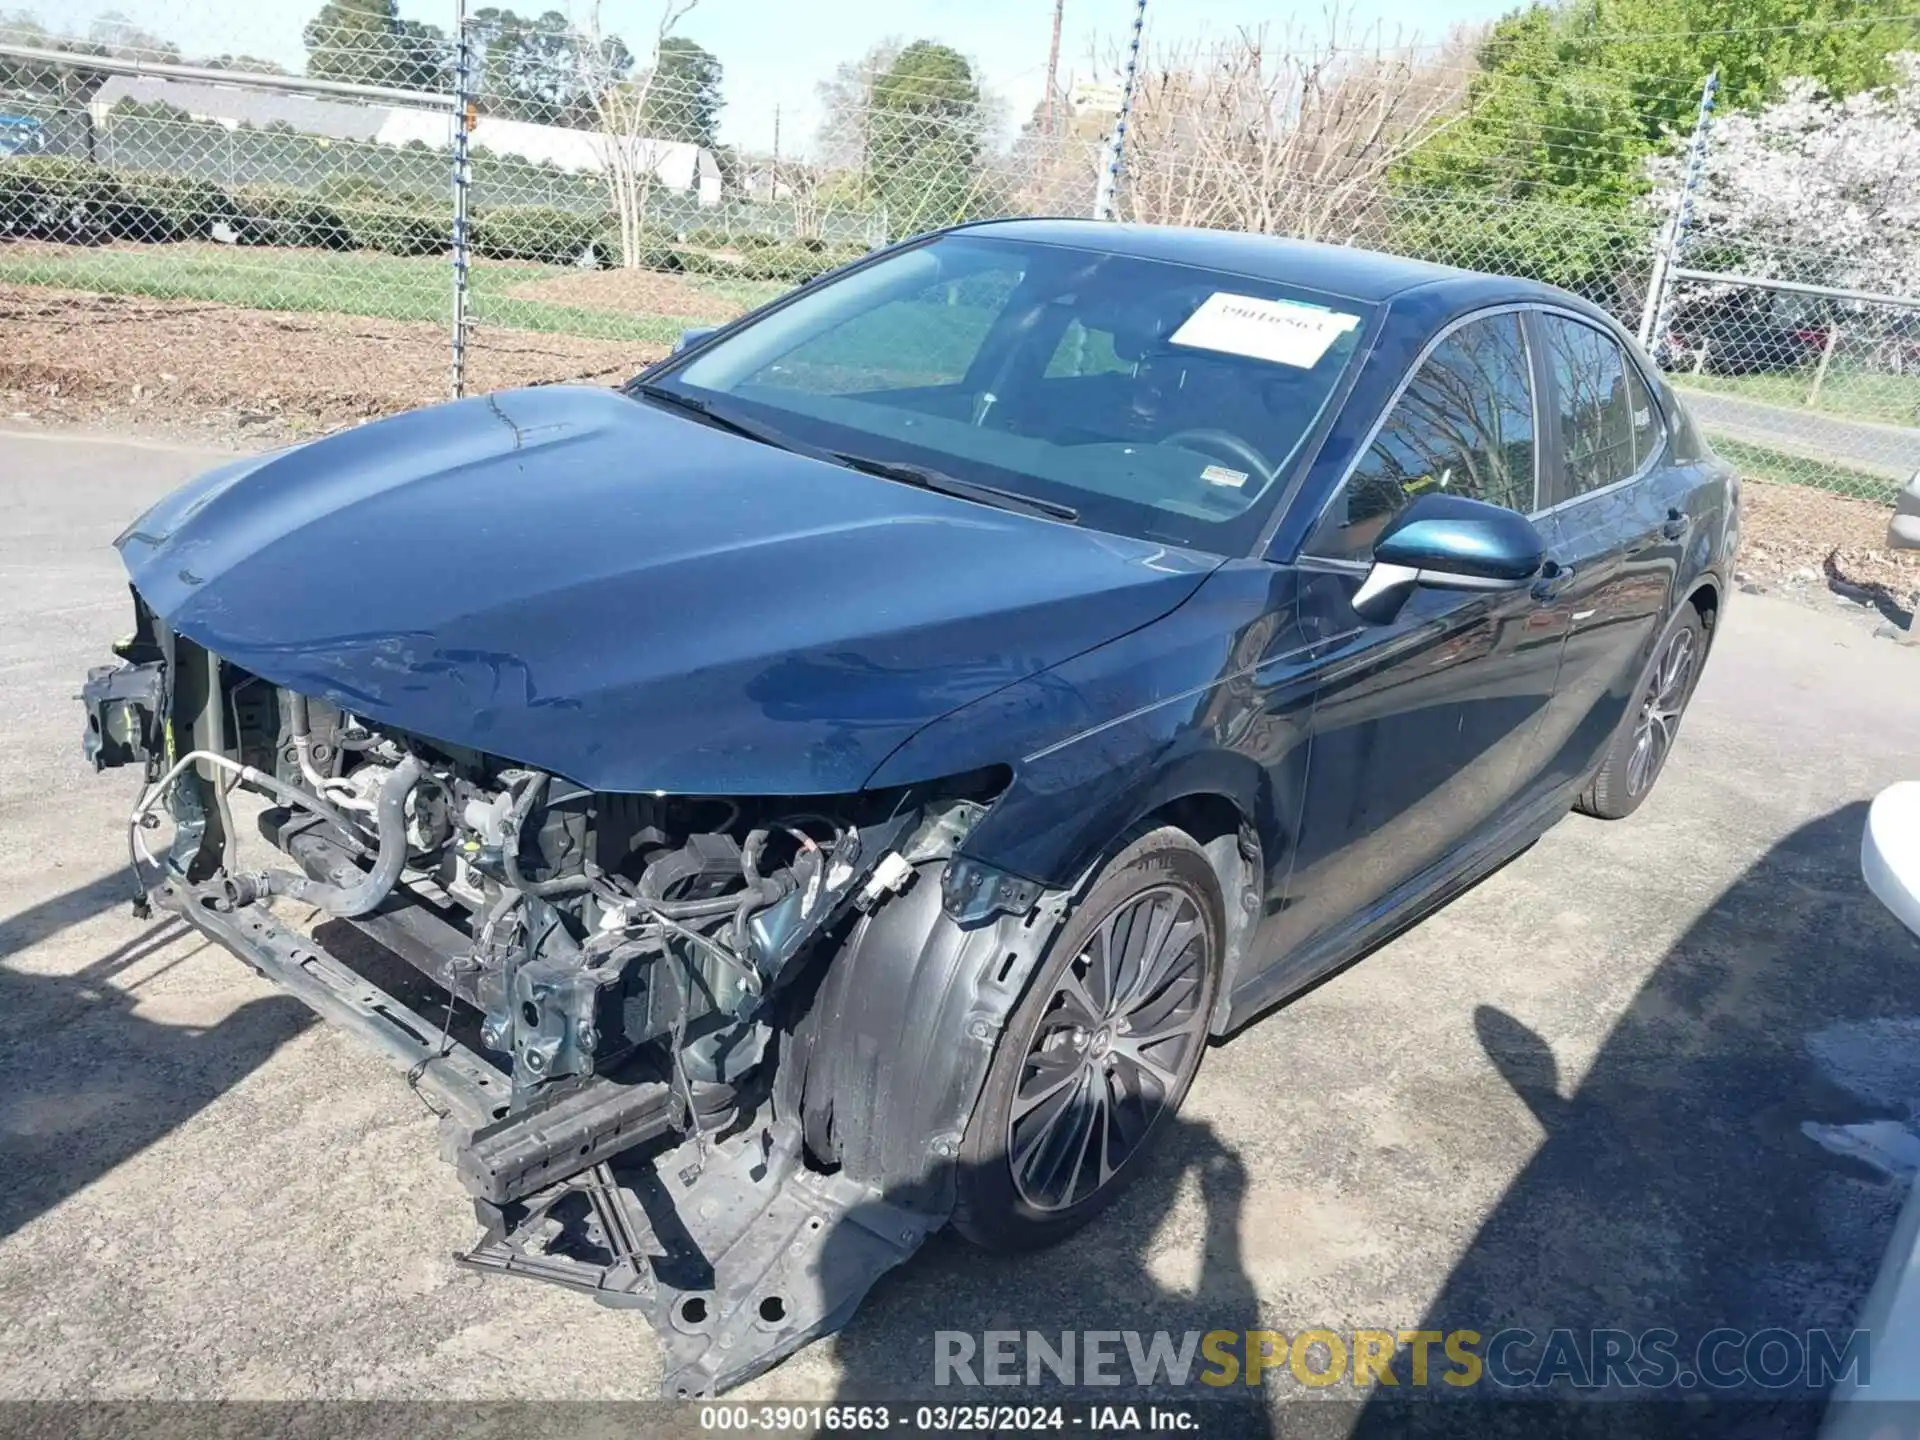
<point>1677,524</point>
<point>1554,578</point>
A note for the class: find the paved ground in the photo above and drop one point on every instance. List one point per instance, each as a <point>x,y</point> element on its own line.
<point>1575,1097</point>
<point>1890,450</point>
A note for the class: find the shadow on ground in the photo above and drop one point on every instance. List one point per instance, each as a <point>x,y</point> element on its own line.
<point>85,1080</point>
<point>952,1286</point>
<point>1676,1189</point>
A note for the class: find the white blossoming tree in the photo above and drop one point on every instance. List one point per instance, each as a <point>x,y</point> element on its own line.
<point>1813,187</point>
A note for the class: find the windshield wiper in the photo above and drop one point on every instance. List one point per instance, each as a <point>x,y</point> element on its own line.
<point>920,475</point>
<point>942,483</point>
<point>692,405</point>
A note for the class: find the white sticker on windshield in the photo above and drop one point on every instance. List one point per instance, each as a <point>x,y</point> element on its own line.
<point>1283,331</point>
<point>1221,475</point>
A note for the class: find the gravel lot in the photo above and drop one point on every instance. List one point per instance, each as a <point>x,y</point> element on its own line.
<point>1575,1097</point>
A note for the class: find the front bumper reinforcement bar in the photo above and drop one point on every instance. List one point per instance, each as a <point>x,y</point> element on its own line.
<point>500,1154</point>
<point>732,1248</point>
<point>464,1088</point>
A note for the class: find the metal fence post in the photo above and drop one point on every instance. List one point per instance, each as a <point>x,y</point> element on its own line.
<point>1658,310</point>
<point>463,118</point>
<point>1116,150</point>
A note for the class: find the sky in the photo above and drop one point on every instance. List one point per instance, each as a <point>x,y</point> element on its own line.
<point>776,51</point>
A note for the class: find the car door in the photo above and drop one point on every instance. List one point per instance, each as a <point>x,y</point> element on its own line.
<point>1421,725</point>
<point>1619,525</point>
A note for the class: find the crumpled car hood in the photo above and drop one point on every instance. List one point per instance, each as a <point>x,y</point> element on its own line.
<point>571,579</point>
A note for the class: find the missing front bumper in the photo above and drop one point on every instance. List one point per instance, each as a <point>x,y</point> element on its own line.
<point>499,1153</point>
<point>733,1249</point>
<point>736,1253</point>
<point>462,1087</point>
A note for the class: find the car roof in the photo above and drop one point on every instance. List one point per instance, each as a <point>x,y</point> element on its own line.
<point>1357,274</point>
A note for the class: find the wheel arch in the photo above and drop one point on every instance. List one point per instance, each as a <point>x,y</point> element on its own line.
<point>884,1064</point>
<point>1704,597</point>
<point>1228,834</point>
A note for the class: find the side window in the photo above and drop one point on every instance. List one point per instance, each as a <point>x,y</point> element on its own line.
<point>1463,425</point>
<point>927,338</point>
<point>1649,433</point>
<point>1597,441</point>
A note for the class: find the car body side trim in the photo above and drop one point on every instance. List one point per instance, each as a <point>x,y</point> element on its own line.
<point>1411,901</point>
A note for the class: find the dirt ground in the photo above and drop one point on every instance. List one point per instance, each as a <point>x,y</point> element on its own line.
<point>187,369</point>
<point>1795,536</point>
<point>184,369</point>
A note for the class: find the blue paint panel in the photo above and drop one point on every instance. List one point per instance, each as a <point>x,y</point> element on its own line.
<point>572,579</point>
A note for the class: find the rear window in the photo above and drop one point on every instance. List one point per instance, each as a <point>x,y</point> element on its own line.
<point>1598,425</point>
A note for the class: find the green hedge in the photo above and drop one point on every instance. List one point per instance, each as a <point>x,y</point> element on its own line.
<point>657,251</point>
<point>351,190</point>
<point>789,262</point>
<point>377,217</point>
<point>171,207</point>
<point>797,262</point>
<point>535,232</point>
<point>47,197</point>
<point>72,201</point>
<point>284,215</point>
<point>398,229</point>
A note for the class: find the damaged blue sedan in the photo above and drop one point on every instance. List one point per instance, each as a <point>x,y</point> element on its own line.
<point>836,785</point>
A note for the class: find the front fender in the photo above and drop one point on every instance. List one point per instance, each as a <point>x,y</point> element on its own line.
<point>1212,699</point>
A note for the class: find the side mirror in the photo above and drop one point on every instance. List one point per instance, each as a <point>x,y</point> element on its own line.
<point>1890,851</point>
<point>1448,542</point>
<point>690,338</point>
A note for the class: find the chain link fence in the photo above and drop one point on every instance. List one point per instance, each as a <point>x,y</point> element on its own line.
<point>1807,384</point>
<point>594,200</point>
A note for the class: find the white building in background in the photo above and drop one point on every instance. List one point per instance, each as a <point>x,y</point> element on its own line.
<point>676,164</point>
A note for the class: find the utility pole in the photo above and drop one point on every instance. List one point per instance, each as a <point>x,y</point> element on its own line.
<point>1053,70</point>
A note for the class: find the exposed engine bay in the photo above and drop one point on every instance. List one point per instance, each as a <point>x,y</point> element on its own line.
<point>598,923</point>
<point>600,981</point>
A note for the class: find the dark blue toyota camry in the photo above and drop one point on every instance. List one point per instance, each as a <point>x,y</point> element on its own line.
<point>834,785</point>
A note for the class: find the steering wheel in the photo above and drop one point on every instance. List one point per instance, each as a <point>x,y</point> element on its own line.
<point>1225,444</point>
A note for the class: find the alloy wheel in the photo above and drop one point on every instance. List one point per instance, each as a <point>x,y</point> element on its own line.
<point>1660,710</point>
<point>1117,1042</point>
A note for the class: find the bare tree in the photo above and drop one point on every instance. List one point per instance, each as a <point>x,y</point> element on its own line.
<point>1292,134</point>
<point>629,157</point>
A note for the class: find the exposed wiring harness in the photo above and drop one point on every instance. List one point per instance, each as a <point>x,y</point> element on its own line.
<point>345,901</point>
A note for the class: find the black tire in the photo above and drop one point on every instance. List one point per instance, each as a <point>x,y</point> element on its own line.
<point>1016,1187</point>
<point>1640,747</point>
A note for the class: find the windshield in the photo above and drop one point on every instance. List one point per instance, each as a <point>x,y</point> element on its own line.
<point>1158,400</point>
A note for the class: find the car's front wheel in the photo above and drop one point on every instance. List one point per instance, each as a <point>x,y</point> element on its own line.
<point>1639,750</point>
<point>1100,1051</point>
